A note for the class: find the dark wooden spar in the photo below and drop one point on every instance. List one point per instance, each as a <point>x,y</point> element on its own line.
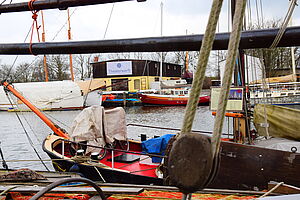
<point>52,4</point>
<point>249,40</point>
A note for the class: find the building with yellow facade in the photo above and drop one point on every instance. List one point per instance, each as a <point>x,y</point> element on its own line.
<point>133,75</point>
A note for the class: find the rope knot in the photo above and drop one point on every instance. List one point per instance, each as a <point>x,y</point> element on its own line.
<point>34,16</point>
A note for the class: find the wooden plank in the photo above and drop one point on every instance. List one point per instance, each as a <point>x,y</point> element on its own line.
<point>75,190</point>
<point>284,188</point>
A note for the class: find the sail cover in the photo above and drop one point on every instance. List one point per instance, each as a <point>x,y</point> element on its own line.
<point>283,122</point>
<point>99,127</point>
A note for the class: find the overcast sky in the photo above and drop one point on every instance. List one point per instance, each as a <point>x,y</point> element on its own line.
<point>129,20</point>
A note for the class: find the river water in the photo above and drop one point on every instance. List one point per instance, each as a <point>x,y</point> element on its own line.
<point>20,140</point>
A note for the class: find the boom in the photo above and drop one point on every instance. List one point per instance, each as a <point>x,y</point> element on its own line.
<point>54,127</point>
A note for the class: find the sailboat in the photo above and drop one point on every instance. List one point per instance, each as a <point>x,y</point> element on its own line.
<point>120,160</point>
<point>54,95</point>
<point>240,166</point>
<point>172,97</point>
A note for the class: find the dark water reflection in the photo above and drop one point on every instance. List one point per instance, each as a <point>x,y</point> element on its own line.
<point>16,146</point>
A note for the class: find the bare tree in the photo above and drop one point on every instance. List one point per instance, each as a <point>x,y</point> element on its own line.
<point>58,68</point>
<point>7,72</point>
<point>83,67</point>
<point>23,72</point>
<point>37,71</point>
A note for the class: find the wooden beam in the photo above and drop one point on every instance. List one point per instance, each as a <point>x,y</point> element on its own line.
<point>52,4</point>
<point>249,40</point>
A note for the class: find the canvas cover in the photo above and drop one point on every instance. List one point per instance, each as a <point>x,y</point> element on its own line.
<point>44,95</point>
<point>283,122</point>
<point>281,79</point>
<point>98,126</point>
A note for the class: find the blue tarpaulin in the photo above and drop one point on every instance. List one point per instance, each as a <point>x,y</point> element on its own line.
<point>156,146</point>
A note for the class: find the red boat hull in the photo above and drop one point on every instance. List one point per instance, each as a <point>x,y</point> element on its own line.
<point>156,99</point>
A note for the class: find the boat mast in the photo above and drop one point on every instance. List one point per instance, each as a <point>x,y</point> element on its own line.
<point>70,38</point>
<point>54,127</point>
<point>44,40</point>
<point>186,58</point>
<point>293,57</point>
<point>161,32</point>
<point>241,126</point>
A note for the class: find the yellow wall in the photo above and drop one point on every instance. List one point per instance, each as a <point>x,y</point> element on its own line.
<point>148,80</point>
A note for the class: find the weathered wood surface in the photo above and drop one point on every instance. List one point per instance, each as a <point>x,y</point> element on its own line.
<point>52,4</point>
<point>249,167</point>
<point>75,190</point>
<point>249,40</point>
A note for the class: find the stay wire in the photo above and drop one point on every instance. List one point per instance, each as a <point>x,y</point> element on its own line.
<point>261,12</point>
<point>5,166</point>
<point>257,14</point>
<point>26,133</point>
<point>108,22</point>
<point>16,58</point>
<point>40,143</point>
<point>54,119</point>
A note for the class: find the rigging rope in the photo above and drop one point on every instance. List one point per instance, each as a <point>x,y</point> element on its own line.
<point>112,9</point>
<point>286,20</point>
<point>26,133</point>
<point>230,63</point>
<point>15,60</point>
<point>34,24</point>
<point>201,66</point>
<point>3,160</point>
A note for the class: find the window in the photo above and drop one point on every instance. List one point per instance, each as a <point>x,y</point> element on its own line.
<point>137,84</point>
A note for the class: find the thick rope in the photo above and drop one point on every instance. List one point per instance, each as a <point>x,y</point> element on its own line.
<point>201,66</point>
<point>270,191</point>
<point>286,20</point>
<point>230,63</point>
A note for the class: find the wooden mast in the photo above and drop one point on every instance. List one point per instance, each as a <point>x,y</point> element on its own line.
<point>70,38</point>
<point>54,127</point>
<point>44,40</point>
